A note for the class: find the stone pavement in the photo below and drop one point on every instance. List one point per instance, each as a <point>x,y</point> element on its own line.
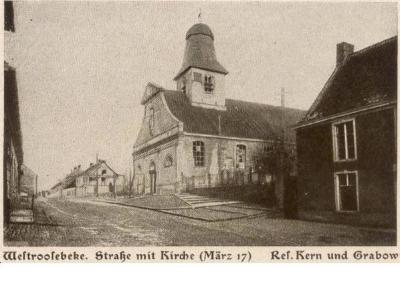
<point>88,223</point>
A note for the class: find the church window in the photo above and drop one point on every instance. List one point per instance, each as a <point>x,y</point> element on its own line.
<point>198,153</point>
<point>151,119</point>
<point>209,83</point>
<point>168,162</point>
<point>240,156</point>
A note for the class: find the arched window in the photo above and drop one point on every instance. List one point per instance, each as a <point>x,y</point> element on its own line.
<point>151,119</point>
<point>240,156</point>
<point>168,162</point>
<point>198,153</point>
<point>152,167</point>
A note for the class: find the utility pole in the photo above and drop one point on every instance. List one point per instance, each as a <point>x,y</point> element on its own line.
<point>97,175</point>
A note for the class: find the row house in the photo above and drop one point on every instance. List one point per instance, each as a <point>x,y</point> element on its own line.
<point>98,179</point>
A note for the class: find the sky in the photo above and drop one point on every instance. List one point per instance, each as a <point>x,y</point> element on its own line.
<point>82,67</point>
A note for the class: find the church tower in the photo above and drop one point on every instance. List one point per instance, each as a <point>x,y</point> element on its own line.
<point>201,77</point>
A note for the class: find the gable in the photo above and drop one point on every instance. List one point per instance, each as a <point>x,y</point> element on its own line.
<point>155,109</point>
<point>150,91</point>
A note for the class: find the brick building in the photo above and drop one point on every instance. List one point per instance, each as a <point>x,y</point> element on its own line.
<point>347,141</point>
<point>194,136</point>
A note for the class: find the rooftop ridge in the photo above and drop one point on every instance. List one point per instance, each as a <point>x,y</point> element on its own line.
<point>240,101</point>
<point>373,46</point>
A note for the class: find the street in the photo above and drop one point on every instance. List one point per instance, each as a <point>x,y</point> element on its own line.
<point>80,222</point>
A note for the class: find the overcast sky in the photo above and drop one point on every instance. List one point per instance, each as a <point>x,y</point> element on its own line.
<point>82,67</point>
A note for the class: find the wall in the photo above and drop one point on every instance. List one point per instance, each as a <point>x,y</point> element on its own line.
<point>219,155</point>
<point>166,176</point>
<point>376,158</point>
<point>195,90</point>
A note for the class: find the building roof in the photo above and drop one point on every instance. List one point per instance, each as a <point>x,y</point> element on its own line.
<point>366,77</point>
<point>200,51</point>
<point>240,119</point>
<point>92,170</point>
<point>70,179</point>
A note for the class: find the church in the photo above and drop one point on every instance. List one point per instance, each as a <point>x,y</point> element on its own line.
<point>195,137</point>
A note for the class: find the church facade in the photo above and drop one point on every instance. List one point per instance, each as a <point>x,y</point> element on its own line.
<point>196,137</point>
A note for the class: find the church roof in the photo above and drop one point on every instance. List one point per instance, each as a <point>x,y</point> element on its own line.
<point>367,77</point>
<point>200,51</point>
<point>240,119</point>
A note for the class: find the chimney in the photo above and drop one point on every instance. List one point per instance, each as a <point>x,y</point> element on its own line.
<point>343,50</point>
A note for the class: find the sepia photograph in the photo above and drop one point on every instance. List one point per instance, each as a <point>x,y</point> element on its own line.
<point>186,124</point>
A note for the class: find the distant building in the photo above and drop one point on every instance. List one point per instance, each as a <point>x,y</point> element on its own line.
<point>194,137</point>
<point>346,143</point>
<point>98,179</point>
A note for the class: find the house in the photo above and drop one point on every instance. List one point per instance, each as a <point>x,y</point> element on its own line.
<point>12,147</point>
<point>98,179</point>
<point>195,137</point>
<point>346,143</point>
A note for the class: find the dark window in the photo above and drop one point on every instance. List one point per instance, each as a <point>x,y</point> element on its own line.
<point>103,172</point>
<point>240,156</point>
<point>198,153</point>
<point>347,191</point>
<point>183,86</point>
<point>345,147</point>
<point>209,83</point>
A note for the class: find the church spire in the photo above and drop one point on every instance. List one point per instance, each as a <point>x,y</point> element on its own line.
<point>201,77</point>
<point>200,50</point>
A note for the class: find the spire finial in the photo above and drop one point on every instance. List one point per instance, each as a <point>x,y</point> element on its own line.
<point>199,16</point>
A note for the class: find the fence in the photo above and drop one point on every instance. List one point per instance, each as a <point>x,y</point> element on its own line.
<point>225,178</point>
